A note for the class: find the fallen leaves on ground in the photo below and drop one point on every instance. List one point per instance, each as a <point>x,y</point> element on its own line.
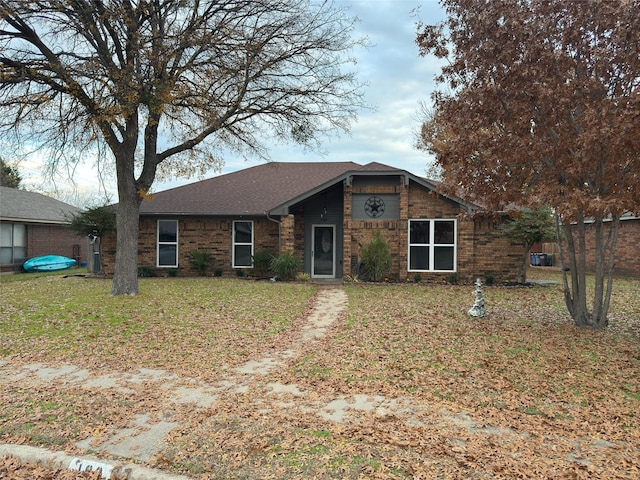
<point>521,393</point>
<point>12,469</point>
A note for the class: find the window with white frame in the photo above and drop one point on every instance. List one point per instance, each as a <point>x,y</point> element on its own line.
<point>432,245</point>
<point>13,243</point>
<point>242,244</point>
<point>167,243</point>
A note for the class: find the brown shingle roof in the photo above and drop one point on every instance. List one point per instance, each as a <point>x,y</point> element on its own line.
<point>257,190</point>
<point>251,191</point>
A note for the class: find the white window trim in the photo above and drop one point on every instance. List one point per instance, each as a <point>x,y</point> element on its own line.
<point>431,245</point>
<point>158,243</point>
<point>13,246</point>
<point>234,243</point>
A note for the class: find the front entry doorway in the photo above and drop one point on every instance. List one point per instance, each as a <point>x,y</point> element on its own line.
<point>323,251</point>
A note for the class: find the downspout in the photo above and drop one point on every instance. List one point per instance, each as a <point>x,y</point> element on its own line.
<point>279,231</point>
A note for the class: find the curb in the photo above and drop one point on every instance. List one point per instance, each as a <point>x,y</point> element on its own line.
<point>28,454</point>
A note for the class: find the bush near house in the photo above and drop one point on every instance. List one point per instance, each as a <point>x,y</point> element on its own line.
<point>285,266</point>
<point>201,261</point>
<point>376,258</point>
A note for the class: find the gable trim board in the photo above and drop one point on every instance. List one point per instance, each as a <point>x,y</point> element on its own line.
<point>350,200</point>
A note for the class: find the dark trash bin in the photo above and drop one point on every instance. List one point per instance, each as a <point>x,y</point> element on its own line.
<point>542,259</point>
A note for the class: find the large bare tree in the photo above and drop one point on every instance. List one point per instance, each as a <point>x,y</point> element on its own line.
<point>165,85</point>
<point>541,105</point>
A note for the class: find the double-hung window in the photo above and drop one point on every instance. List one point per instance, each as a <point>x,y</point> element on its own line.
<point>167,243</point>
<point>242,244</point>
<point>432,245</point>
<point>13,243</point>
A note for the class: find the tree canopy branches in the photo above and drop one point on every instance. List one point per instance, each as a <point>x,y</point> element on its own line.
<point>557,82</point>
<point>190,69</point>
<point>540,105</point>
<point>169,84</point>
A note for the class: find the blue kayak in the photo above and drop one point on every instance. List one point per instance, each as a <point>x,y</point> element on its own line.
<point>48,263</point>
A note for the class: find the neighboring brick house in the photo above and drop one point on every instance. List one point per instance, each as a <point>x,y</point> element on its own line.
<point>31,225</point>
<point>324,213</point>
<point>628,246</point>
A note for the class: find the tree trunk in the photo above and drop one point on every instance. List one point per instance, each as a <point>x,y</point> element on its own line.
<point>125,278</point>
<point>522,268</point>
<point>573,258</point>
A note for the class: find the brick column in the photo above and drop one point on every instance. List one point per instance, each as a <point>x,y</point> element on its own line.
<point>403,226</point>
<point>287,238</point>
<point>346,230</point>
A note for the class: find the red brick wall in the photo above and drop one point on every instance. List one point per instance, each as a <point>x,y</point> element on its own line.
<point>54,240</point>
<point>208,235</point>
<point>392,231</point>
<point>627,251</point>
<point>287,229</point>
<point>494,255</point>
<point>45,239</point>
<point>482,250</point>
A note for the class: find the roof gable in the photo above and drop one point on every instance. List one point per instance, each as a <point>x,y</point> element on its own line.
<point>252,191</point>
<point>23,206</point>
<point>259,189</point>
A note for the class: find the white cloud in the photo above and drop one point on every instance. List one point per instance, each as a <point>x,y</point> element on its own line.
<point>398,81</point>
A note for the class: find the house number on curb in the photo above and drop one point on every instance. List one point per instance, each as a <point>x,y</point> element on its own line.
<point>80,465</point>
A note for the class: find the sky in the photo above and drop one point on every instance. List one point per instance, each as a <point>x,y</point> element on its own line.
<point>397,79</point>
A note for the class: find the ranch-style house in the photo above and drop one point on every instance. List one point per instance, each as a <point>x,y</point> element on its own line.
<point>323,212</point>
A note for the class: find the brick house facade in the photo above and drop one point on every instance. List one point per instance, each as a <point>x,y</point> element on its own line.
<point>324,213</point>
<point>34,225</point>
<point>628,247</point>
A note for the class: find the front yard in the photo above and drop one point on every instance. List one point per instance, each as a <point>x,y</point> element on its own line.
<point>521,393</point>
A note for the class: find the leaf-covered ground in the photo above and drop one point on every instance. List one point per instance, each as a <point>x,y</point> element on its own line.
<point>521,393</point>
<point>12,468</point>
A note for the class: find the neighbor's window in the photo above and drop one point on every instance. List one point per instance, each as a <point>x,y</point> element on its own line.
<point>167,243</point>
<point>13,243</point>
<point>242,244</point>
<point>432,245</point>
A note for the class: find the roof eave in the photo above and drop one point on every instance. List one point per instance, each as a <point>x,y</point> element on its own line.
<point>347,177</point>
<point>34,220</point>
<point>200,214</point>
<point>283,208</point>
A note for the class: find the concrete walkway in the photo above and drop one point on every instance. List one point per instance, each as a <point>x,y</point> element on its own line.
<point>143,439</point>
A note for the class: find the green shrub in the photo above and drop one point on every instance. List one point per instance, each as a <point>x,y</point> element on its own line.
<point>285,266</point>
<point>217,272</point>
<point>376,257</point>
<point>303,277</point>
<point>172,272</point>
<point>146,272</point>
<point>453,278</point>
<point>261,262</point>
<point>201,261</point>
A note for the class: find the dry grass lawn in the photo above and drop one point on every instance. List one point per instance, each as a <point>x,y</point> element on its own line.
<point>521,393</point>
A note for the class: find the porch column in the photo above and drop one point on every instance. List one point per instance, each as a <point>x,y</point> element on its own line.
<point>287,237</point>
<point>403,226</point>
<point>347,225</point>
